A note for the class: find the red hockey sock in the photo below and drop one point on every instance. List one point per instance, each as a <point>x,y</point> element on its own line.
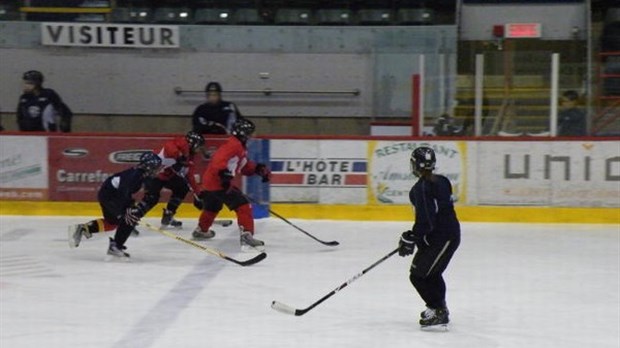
<point>108,226</point>
<point>244,218</point>
<point>206,220</point>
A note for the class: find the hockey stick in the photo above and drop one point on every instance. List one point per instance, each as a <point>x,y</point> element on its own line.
<point>331,243</point>
<point>208,250</point>
<point>281,307</point>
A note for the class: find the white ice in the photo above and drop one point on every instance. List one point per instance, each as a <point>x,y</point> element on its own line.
<point>509,285</point>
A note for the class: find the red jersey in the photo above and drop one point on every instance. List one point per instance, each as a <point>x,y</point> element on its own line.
<point>173,151</point>
<point>232,155</point>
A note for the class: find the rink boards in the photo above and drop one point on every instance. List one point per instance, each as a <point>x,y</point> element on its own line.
<point>361,178</point>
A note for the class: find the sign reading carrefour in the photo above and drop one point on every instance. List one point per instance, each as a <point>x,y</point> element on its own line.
<point>110,35</point>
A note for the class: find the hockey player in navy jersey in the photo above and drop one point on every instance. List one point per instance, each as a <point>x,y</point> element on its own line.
<point>436,232</point>
<point>216,116</point>
<point>120,212</point>
<point>38,107</point>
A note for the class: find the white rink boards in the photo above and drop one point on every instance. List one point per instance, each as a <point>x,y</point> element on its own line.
<point>509,285</point>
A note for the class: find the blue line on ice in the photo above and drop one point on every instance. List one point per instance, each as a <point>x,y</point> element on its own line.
<point>159,318</point>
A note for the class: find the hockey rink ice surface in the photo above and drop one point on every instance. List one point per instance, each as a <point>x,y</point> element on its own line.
<point>509,285</point>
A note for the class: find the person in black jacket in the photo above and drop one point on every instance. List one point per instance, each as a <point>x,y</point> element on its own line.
<point>436,233</point>
<point>571,119</point>
<point>216,116</point>
<point>118,207</point>
<point>39,107</point>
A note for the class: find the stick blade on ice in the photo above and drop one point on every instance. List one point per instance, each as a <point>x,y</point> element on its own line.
<point>282,308</point>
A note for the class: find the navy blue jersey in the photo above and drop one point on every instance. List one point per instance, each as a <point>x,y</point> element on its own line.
<point>223,114</point>
<point>120,187</point>
<point>572,122</point>
<point>434,207</point>
<point>37,112</point>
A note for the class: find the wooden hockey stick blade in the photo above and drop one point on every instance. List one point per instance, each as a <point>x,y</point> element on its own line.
<point>208,250</point>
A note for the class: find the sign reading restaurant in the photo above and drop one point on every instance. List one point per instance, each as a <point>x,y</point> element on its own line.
<point>110,35</point>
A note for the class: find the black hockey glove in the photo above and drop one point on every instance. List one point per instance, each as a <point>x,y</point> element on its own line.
<point>181,162</point>
<point>134,214</point>
<point>263,171</point>
<point>226,178</point>
<point>407,243</point>
<point>198,201</point>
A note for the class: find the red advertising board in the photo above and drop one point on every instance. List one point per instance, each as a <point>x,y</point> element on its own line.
<point>79,164</point>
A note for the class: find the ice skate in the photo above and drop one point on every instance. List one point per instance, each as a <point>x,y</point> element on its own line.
<point>135,232</point>
<point>435,319</point>
<point>199,234</point>
<point>429,312</point>
<point>167,219</point>
<point>75,234</point>
<point>249,243</point>
<point>117,252</point>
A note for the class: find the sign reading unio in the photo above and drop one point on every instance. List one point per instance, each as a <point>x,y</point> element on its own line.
<point>110,35</point>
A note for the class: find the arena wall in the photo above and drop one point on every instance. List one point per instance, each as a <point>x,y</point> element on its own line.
<point>363,178</point>
<point>378,62</point>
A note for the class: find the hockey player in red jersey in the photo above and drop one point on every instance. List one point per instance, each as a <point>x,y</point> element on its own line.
<point>218,190</point>
<point>177,156</point>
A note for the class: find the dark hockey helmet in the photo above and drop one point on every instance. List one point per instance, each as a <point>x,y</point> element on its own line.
<point>422,159</point>
<point>213,87</point>
<point>243,128</point>
<point>195,140</point>
<point>33,76</point>
<point>150,162</point>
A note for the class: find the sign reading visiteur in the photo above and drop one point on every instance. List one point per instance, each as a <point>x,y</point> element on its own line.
<point>110,35</point>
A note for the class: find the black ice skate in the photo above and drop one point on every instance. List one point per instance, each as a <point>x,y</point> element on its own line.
<point>249,243</point>
<point>435,318</point>
<point>429,312</point>
<point>167,219</point>
<point>117,251</point>
<point>75,234</point>
<point>199,234</point>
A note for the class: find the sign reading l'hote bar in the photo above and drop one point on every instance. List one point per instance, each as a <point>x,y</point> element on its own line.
<point>110,35</point>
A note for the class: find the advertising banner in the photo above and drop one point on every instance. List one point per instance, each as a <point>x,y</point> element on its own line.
<point>390,177</point>
<point>23,168</point>
<point>569,173</point>
<point>110,35</point>
<point>78,165</point>
<point>319,171</point>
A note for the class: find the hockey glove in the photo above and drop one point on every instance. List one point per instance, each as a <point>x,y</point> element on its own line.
<point>407,242</point>
<point>226,178</point>
<point>198,201</point>
<point>263,171</point>
<point>134,214</point>
<point>180,164</point>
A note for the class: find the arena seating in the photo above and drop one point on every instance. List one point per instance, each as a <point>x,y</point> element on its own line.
<point>240,12</point>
